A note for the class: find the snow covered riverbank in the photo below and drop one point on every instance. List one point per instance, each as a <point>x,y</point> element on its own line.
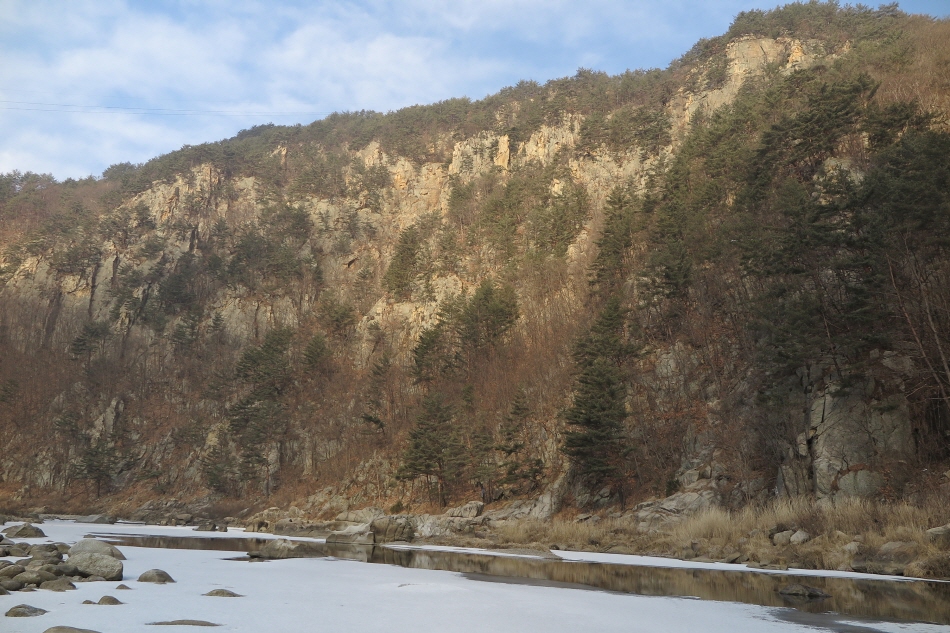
<point>328,594</point>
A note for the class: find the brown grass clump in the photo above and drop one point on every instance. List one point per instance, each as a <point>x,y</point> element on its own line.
<point>839,532</point>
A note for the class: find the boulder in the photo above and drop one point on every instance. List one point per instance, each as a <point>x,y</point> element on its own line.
<point>891,559</point>
<point>109,600</point>
<point>101,519</point>
<point>799,537</point>
<point>45,550</point>
<point>34,577</point>
<point>650,516</point>
<point>392,528</point>
<point>27,530</point>
<point>366,515</point>
<point>10,584</point>
<point>94,546</point>
<point>847,428</point>
<point>223,593</point>
<point>428,525</point>
<point>24,611</point>
<point>12,570</point>
<point>92,564</point>
<point>940,536</point>
<point>206,526</point>
<point>68,629</point>
<point>303,527</point>
<point>355,535</point>
<point>263,521</point>
<point>183,623</point>
<point>285,548</point>
<point>781,539</point>
<point>470,510</point>
<point>60,584</point>
<point>157,576</point>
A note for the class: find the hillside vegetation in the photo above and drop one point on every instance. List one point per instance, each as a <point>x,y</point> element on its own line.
<point>713,284</point>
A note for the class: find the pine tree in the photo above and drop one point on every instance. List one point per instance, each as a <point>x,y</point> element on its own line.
<point>615,241</point>
<point>597,443</point>
<point>260,416</point>
<point>402,271</point>
<point>434,447</point>
<point>483,320</point>
<point>518,468</point>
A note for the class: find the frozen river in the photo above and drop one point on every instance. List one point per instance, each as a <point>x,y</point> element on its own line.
<point>416,591</point>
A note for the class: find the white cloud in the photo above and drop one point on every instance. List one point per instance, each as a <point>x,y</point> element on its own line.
<point>297,55</point>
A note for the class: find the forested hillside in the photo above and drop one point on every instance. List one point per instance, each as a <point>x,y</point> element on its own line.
<point>712,284</point>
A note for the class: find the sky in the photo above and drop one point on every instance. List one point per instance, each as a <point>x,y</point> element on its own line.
<point>89,83</point>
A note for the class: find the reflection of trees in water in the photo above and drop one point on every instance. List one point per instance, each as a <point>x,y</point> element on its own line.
<point>919,601</point>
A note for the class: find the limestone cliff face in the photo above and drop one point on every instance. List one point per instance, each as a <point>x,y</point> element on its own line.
<point>173,438</point>
<point>746,58</point>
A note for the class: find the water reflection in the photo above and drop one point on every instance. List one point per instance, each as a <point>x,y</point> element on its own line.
<point>876,599</point>
<point>238,544</point>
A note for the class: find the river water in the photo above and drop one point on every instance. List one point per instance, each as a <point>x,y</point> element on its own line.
<point>863,600</point>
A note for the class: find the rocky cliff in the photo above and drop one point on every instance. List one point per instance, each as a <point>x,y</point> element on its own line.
<point>270,319</point>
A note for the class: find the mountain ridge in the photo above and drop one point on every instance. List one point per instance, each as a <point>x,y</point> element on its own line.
<point>264,320</point>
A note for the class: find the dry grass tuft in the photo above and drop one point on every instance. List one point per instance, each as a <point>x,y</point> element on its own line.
<point>746,534</point>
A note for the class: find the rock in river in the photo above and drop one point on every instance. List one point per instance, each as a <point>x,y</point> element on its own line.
<point>223,593</point>
<point>26,530</point>
<point>157,576</point>
<point>92,564</point>
<point>93,546</point>
<point>60,584</point>
<point>24,611</point>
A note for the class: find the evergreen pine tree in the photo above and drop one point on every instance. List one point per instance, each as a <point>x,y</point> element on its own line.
<point>615,241</point>
<point>597,443</point>
<point>434,448</point>
<point>518,468</point>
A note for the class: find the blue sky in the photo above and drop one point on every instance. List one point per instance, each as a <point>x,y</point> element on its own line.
<point>88,83</point>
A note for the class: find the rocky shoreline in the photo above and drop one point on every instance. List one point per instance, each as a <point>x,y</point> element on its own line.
<point>901,551</point>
